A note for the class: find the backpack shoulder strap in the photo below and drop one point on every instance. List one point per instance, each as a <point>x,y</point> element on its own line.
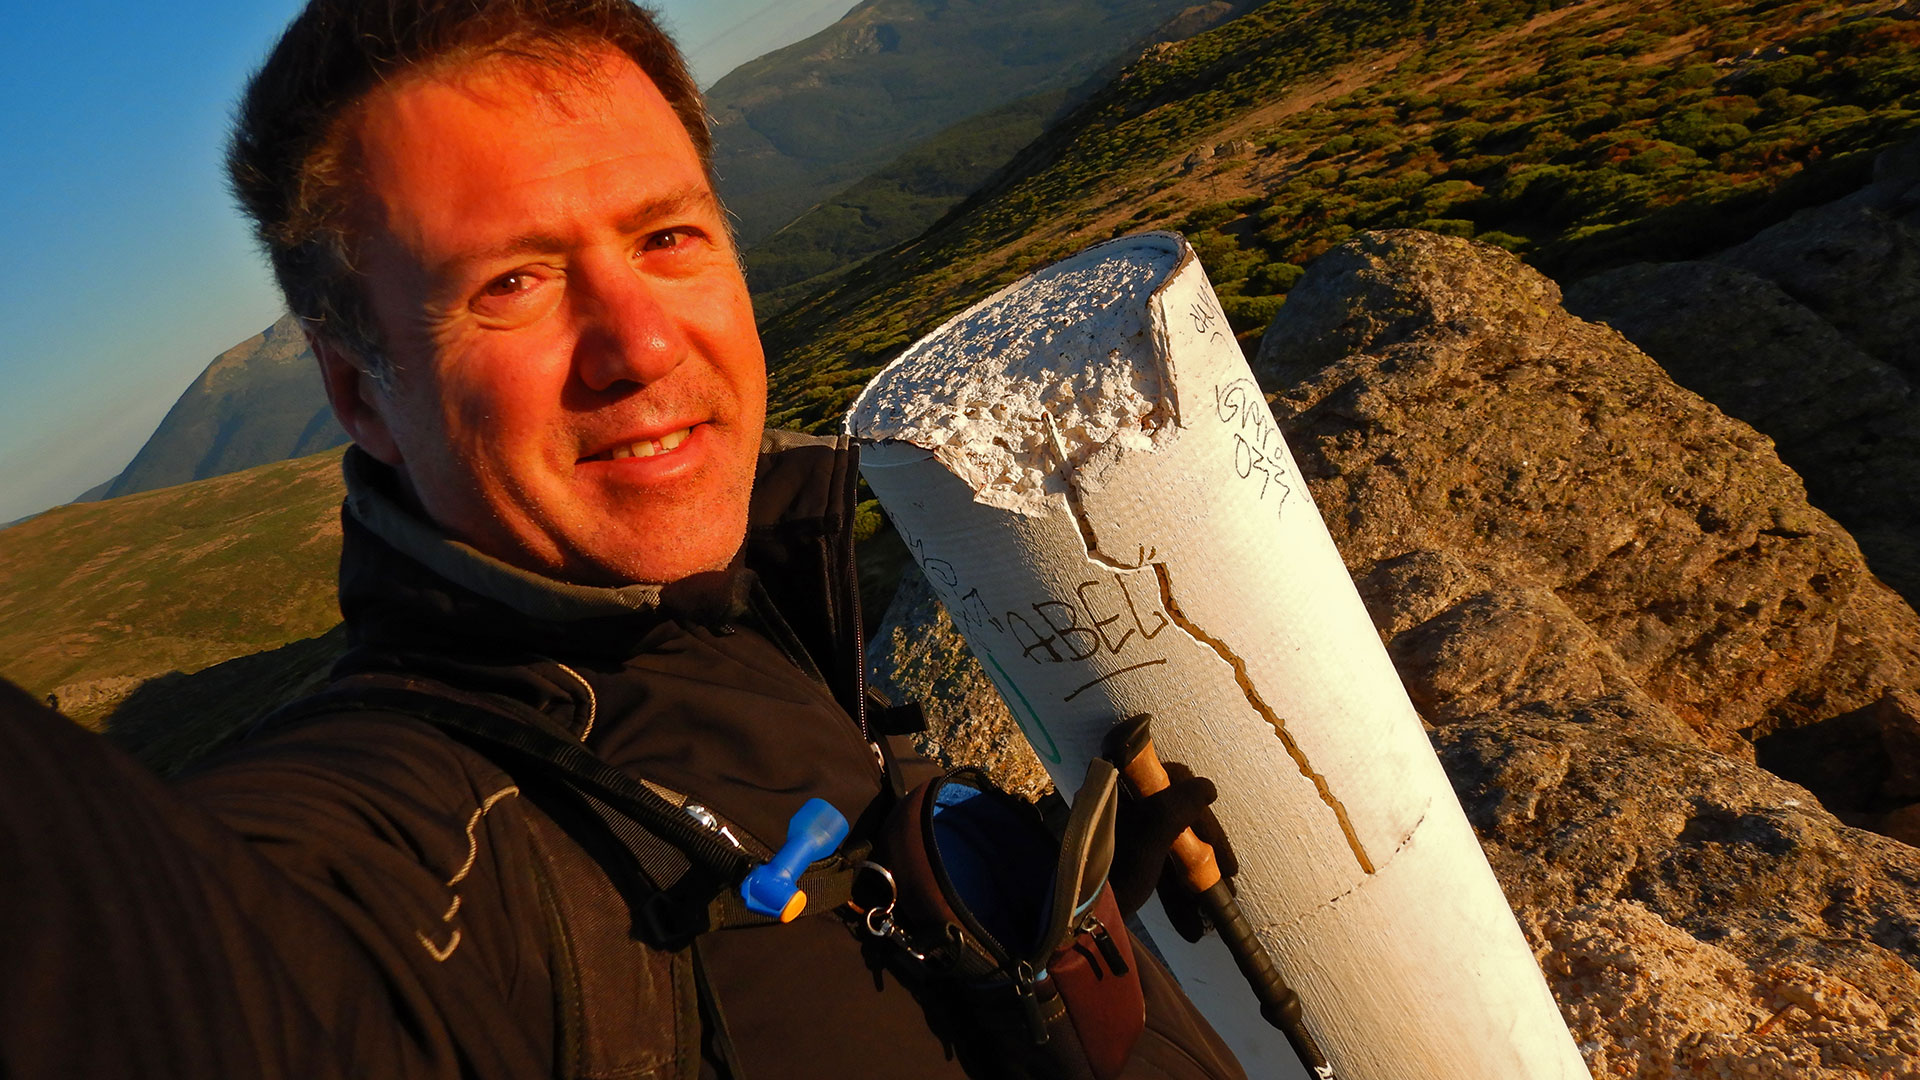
<point>689,868</point>
<point>623,1009</point>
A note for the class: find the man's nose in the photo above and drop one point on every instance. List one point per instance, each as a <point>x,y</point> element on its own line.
<point>628,333</point>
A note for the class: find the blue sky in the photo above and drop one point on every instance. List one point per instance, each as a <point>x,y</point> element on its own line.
<point>129,269</point>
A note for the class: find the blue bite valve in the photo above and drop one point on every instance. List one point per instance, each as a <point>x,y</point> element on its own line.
<point>772,888</point>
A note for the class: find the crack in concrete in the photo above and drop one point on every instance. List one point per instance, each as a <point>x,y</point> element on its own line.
<point>1344,893</point>
<point>1083,523</point>
<point>1260,706</point>
<point>1077,510</point>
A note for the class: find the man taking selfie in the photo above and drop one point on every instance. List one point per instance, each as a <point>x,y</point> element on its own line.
<point>578,577</point>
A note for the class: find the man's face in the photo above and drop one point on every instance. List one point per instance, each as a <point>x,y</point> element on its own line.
<point>579,388</point>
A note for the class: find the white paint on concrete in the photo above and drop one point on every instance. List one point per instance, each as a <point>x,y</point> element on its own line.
<point>1026,385</point>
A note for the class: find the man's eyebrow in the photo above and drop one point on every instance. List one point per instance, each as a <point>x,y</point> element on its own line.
<point>669,206</point>
<point>666,206</point>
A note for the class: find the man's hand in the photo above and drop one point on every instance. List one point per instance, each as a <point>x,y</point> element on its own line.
<point>1144,835</point>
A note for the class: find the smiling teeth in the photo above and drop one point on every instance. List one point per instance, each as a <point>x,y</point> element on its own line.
<point>646,448</point>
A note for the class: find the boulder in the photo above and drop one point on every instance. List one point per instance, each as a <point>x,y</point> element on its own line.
<point>1695,915</point>
<point>89,701</point>
<point>1856,262</point>
<point>1841,415</point>
<point>1439,398</point>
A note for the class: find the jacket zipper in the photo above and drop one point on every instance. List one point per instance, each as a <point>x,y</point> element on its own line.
<point>855,633</point>
<point>1102,940</point>
<point>775,626</point>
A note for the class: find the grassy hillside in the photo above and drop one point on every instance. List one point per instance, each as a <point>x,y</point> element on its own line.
<point>1581,135</point>
<point>175,579</point>
<point>800,124</point>
<point>914,191</point>
<point>894,204</point>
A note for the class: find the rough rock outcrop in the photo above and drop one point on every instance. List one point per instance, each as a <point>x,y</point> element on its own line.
<point>1695,915</point>
<point>1438,398</point>
<point>1600,591</point>
<point>1807,332</point>
<point>88,701</point>
<point>917,656</point>
<point>1856,261</point>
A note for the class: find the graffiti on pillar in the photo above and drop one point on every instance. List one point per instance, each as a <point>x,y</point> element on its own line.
<point>1208,320</point>
<point>1259,453</point>
<point>1105,617</point>
<point>1112,615</point>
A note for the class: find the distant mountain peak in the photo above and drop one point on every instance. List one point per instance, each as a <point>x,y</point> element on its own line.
<point>259,401</point>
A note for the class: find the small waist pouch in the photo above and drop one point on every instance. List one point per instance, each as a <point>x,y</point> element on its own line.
<point>1018,933</point>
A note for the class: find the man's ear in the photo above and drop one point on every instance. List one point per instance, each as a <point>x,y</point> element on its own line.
<point>359,402</point>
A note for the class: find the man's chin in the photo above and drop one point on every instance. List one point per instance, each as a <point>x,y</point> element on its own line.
<point>661,564</point>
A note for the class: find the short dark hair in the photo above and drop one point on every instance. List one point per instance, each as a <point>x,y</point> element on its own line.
<point>285,161</point>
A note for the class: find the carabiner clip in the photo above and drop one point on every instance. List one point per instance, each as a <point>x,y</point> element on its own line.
<point>878,919</point>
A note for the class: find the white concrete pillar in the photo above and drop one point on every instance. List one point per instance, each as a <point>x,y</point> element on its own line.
<point>1093,483</point>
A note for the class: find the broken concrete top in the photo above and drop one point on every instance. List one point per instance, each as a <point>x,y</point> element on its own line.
<point>1014,391</point>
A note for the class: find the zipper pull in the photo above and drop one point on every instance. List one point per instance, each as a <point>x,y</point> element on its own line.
<point>1116,963</point>
<point>1023,980</point>
<point>711,821</point>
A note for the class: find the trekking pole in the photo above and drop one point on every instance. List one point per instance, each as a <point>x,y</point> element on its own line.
<point>1130,748</point>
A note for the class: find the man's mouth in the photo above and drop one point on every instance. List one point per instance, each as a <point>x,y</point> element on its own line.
<point>643,447</point>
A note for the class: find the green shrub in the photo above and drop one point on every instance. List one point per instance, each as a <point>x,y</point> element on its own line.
<point>1782,102</point>
<point>867,520</point>
<point>1274,278</point>
<point>1339,144</point>
<point>1695,75</point>
<point>1376,138</point>
<point>1249,314</point>
<point>1515,244</point>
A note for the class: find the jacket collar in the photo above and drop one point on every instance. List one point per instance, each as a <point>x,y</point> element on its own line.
<point>471,597</point>
<point>375,501</point>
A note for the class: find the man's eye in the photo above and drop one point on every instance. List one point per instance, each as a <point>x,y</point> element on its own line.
<point>515,298</point>
<point>509,284</point>
<point>666,240</point>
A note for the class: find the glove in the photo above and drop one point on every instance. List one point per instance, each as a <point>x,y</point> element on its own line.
<point>1144,834</point>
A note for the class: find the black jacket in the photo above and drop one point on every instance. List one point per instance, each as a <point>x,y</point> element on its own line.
<point>366,896</point>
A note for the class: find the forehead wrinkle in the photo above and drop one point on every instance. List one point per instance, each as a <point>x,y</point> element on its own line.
<point>672,204</point>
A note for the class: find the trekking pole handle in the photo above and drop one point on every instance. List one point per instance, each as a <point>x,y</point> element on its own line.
<point>1147,776</point>
<point>1130,747</point>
